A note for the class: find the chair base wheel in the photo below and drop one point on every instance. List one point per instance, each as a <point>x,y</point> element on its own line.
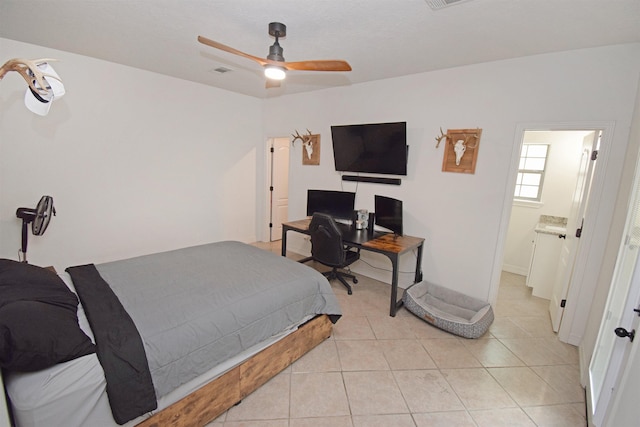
<point>335,274</point>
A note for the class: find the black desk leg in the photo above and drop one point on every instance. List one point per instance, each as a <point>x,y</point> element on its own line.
<point>283,250</point>
<point>394,286</point>
<point>418,277</point>
<point>395,305</point>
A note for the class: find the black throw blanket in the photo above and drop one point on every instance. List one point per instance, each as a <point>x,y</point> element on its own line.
<point>119,347</point>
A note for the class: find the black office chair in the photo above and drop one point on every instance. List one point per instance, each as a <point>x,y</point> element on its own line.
<point>327,248</point>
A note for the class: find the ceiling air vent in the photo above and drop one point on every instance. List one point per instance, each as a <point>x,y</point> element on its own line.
<point>439,4</point>
<point>221,70</point>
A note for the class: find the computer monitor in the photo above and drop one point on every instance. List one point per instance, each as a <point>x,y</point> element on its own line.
<point>338,204</point>
<point>388,213</point>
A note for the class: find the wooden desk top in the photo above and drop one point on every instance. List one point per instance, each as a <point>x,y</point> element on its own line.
<point>395,244</point>
<point>385,243</point>
<point>301,224</point>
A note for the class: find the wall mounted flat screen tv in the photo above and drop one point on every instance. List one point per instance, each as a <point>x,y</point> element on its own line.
<point>388,213</point>
<point>338,204</point>
<point>371,148</point>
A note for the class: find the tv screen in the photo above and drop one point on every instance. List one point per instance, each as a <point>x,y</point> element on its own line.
<point>371,148</point>
<point>388,213</point>
<point>338,204</point>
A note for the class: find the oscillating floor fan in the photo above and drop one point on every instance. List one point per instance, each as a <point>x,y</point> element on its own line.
<point>39,219</point>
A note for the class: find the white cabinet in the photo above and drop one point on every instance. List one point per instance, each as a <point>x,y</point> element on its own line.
<point>544,263</point>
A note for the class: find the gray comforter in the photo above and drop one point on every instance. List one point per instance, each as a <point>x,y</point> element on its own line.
<point>196,307</point>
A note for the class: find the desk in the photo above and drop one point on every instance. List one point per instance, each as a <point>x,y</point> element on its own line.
<point>384,243</point>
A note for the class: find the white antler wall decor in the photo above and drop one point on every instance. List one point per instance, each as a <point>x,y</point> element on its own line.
<point>44,83</point>
<point>311,144</point>
<point>461,149</point>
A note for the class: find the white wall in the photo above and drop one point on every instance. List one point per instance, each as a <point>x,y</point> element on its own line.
<point>559,184</point>
<point>136,162</point>
<point>462,215</point>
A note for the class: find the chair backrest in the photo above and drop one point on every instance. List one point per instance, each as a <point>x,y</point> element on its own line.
<point>326,240</point>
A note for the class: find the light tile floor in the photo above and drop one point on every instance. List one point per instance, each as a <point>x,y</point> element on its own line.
<point>376,370</point>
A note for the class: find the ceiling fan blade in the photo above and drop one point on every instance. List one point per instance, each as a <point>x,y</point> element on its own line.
<point>319,65</point>
<point>226,48</point>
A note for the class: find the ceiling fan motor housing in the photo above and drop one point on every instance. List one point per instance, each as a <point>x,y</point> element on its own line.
<point>277,30</point>
<point>275,52</point>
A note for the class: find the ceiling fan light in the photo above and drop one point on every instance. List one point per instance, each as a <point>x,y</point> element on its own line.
<point>274,72</point>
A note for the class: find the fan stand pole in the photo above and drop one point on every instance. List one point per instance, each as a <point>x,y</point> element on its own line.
<point>25,236</point>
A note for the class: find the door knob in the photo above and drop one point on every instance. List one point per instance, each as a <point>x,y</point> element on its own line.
<point>622,332</point>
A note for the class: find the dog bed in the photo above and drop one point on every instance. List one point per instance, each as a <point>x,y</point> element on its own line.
<point>449,310</point>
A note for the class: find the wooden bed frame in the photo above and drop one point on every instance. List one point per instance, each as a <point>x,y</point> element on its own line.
<point>214,398</point>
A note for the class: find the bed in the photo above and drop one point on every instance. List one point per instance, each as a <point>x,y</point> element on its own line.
<point>213,322</point>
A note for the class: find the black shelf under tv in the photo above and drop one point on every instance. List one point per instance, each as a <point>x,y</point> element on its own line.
<point>373,179</point>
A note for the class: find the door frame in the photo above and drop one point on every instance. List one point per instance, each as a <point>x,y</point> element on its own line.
<point>574,323</point>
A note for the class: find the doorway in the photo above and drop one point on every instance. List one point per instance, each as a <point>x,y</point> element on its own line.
<point>278,186</point>
<point>569,184</point>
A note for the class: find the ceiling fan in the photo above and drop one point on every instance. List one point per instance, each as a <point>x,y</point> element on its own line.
<point>275,67</point>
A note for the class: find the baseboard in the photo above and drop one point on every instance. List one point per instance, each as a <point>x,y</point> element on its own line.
<point>584,367</point>
<point>584,361</point>
<point>515,269</point>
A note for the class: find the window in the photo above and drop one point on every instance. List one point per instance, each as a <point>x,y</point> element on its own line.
<point>533,160</point>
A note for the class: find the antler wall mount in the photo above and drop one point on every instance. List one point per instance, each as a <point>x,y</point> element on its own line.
<point>44,83</point>
<point>461,149</point>
<point>311,144</point>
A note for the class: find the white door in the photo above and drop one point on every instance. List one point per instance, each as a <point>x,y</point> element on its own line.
<point>279,187</point>
<point>611,351</point>
<point>574,222</point>
<point>624,408</point>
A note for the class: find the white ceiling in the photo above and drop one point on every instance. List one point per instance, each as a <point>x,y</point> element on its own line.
<point>379,38</point>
